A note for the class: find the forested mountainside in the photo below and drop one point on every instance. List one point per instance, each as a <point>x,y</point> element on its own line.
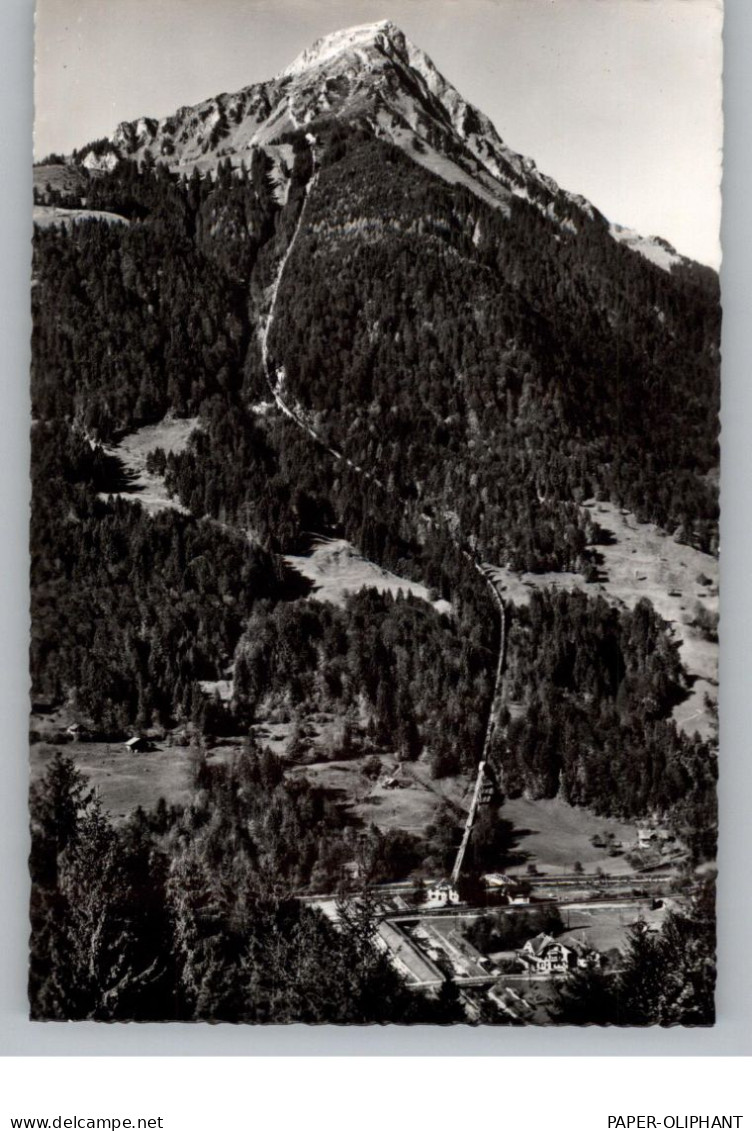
<point>160,315</point>
<point>528,364</point>
<point>438,362</point>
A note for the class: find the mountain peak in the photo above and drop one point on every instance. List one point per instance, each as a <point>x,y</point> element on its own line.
<point>373,74</point>
<point>336,43</point>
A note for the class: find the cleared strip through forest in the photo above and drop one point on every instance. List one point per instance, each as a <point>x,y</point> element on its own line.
<point>301,423</point>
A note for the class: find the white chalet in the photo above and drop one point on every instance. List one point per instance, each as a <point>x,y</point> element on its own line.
<point>442,894</point>
<point>546,955</point>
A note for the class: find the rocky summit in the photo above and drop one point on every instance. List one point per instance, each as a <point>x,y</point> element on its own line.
<point>375,75</point>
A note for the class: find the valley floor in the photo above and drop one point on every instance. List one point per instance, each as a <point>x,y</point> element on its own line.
<point>640,561</point>
<point>550,835</point>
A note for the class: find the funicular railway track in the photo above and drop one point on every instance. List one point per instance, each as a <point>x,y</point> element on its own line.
<point>559,886</point>
<point>275,383</point>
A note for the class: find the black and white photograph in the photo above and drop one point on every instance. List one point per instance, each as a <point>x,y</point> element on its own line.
<point>375,391</point>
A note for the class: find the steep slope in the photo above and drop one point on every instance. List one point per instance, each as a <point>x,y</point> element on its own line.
<point>441,288</point>
<point>475,346</point>
<point>496,366</point>
<point>372,74</point>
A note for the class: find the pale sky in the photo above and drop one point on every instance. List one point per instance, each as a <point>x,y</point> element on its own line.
<point>619,100</point>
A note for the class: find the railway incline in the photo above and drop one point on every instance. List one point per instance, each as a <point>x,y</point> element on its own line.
<point>275,382</point>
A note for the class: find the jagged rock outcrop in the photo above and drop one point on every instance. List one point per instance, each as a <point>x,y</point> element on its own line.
<point>375,75</point>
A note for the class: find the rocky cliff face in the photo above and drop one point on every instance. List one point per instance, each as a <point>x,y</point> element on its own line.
<point>372,74</point>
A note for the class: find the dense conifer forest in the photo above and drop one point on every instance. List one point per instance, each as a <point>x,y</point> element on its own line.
<point>598,687</point>
<point>527,366</point>
<point>493,372</point>
<point>132,321</point>
<point>191,916</point>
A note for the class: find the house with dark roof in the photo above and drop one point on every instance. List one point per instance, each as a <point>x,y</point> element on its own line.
<point>139,744</point>
<point>544,955</point>
<point>547,955</point>
<point>585,956</point>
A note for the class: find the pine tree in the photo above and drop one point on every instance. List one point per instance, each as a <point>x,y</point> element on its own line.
<point>58,803</point>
